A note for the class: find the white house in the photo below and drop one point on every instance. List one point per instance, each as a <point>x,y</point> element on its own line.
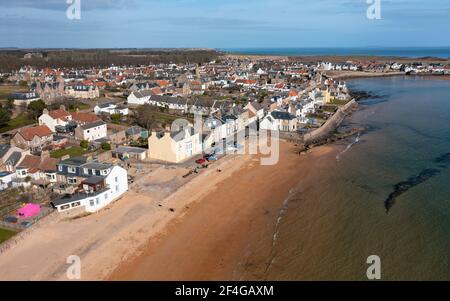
<point>110,108</point>
<point>98,190</point>
<point>279,121</point>
<point>139,97</point>
<point>54,118</point>
<point>6,179</point>
<point>92,131</point>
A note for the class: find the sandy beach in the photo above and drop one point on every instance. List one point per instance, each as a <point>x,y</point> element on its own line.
<point>167,227</point>
<point>211,241</point>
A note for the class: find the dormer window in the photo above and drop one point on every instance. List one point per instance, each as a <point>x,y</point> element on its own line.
<point>71,169</point>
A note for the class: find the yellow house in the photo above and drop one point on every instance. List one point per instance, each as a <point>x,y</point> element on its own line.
<point>174,147</point>
<point>327,96</point>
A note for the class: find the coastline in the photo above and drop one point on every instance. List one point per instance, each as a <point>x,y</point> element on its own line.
<point>211,241</point>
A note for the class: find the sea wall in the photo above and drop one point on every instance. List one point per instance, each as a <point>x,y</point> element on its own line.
<point>322,133</point>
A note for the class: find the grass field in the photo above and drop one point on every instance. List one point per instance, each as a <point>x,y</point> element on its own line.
<point>17,122</point>
<point>5,235</point>
<point>338,102</point>
<point>6,90</point>
<point>72,152</point>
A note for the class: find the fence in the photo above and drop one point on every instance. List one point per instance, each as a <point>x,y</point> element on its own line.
<point>46,216</point>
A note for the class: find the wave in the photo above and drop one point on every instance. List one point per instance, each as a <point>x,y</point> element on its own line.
<point>349,146</point>
<point>281,214</point>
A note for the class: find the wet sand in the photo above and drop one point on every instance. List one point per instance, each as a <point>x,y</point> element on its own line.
<point>212,240</point>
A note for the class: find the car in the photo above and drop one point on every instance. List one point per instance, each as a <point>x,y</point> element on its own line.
<point>201,161</point>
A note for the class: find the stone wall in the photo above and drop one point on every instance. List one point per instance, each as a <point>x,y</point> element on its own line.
<point>330,126</point>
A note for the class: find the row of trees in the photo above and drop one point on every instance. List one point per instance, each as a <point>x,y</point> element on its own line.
<point>13,60</point>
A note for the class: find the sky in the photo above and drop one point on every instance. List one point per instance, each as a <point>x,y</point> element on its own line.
<point>224,24</point>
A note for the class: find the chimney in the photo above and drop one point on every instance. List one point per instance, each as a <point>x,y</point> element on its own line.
<point>44,111</point>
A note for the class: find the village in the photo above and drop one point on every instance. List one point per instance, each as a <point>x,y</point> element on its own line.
<point>75,140</point>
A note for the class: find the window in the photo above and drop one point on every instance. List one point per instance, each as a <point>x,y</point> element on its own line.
<point>117,188</point>
<point>106,196</point>
<point>72,180</point>
<point>117,179</point>
<point>64,207</point>
<point>86,171</point>
<point>97,201</point>
<point>60,168</point>
<point>91,203</point>
<point>76,204</point>
<point>71,169</point>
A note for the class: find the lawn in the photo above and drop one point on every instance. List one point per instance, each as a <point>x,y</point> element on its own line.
<point>338,102</point>
<point>74,151</point>
<point>6,234</point>
<point>6,90</point>
<point>19,121</point>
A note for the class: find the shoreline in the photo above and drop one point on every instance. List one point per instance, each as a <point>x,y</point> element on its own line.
<point>211,241</point>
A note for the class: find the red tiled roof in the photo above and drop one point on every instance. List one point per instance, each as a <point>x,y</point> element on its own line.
<point>30,161</point>
<point>84,117</point>
<point>48,164</point>
<point>40,131</point>
<point>59,114</point>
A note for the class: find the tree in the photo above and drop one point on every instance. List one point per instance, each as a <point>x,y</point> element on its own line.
<point>106,146</point>
<point>145,116</point>
<point>4,116</point>
<point>35,108</point>
<point>116,117</point>
<point>84,144</point>
<point>9,105</point>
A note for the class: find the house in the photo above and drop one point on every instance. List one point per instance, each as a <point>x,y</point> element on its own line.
<point>136,132</point>
<point>26,98</point>
<point>33,138</point>
<point>40,170</point>
<point>110,108</point>
<point>92,131</point>
<point>100,184</point>
<point>174,147</point>
<point>62,121</point>
<point>6,179</point>
<point>55,118</point>
<point>129,152</point>
<point>50,91</point>
<point>139,97</point>
<point>10,156</point>
<point>279,121</point>
<point>83,91</point>
<point>256,108</point>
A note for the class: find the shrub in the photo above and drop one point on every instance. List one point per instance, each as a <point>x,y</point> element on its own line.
<point>106,146</point>
<point>84,144</point>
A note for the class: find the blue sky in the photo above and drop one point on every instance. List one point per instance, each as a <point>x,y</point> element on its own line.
<point>224,23</point>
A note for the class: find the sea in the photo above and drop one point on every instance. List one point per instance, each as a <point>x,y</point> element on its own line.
<point>385,193</point>
<point>408,52</point>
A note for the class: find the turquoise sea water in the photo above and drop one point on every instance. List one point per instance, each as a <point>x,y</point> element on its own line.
<point>331,226</point>
<point>412,52</point>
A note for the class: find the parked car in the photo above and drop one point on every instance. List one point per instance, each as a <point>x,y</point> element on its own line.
<point>201,161</point>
